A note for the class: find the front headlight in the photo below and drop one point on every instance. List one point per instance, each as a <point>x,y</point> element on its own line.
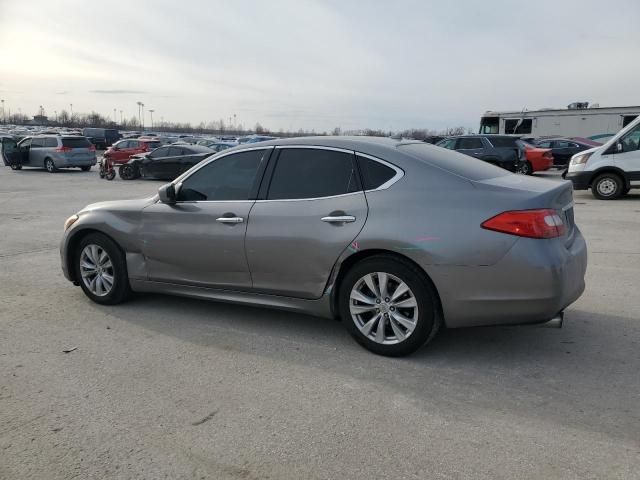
<point>580,158</point>
<point>70,221</point>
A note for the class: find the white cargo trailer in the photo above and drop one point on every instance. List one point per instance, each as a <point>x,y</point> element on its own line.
<point>578,120</point>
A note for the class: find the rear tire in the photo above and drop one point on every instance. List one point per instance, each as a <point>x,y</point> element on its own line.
<point>607,186</point>
<point>16,167</point>
<point>50,166</point>
<point>86,168</point>
<point>99,251</point>
<point>409,319</point>
<point>525,168</point>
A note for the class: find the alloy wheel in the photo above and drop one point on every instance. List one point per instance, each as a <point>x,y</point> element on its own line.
<point>96,269</point>
<point>383,308</point>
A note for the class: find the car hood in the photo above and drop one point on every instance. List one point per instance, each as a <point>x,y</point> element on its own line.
<point>119,205</point>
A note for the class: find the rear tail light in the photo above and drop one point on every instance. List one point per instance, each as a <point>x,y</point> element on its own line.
<point>547,154</point>
<point>543,223</point>
<point>63,149</point>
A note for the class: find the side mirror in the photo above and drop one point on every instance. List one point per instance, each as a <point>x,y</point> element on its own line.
<point>167,194</point>
<point>619,147</point>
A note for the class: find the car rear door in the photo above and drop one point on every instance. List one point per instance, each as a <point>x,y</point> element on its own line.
<point>199,241</point>
<point>472,146</point>
<point>311,207</point>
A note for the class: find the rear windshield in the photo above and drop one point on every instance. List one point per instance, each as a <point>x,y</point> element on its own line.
<point>76,142</point>
<point>456,163</point>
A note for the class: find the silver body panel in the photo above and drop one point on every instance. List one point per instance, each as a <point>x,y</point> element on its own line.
<point>284,255</point>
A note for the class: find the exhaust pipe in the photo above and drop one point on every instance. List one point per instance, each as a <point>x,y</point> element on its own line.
<point>555,322</point>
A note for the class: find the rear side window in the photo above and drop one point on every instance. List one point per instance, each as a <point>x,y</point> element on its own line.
<point>153,144</point>
<point>503,142</point>
<point>227,178</point>
<point>312,173</point>
<point>469,143</point>
<point>79,142</point>
<point>37,143</point>
<point>50,142</point>
<point>374,174</point>
<point>456,163</point>
<point>176,151</point>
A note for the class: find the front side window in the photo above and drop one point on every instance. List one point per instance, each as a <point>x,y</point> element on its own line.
<point>226,178</point>
<point>449,143</point>
<point>469,143</point>
<point>160,152</point>
<point>176,151</point>
<point>631,141</point>
<point>544,144</point>
<point>312,173</point>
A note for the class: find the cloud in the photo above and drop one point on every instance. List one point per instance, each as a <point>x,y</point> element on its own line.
<point>64,92</point>
<point>117,92</point>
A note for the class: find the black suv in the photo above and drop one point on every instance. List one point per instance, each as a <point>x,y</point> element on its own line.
<point>101,137</point>
<point>501,150</point>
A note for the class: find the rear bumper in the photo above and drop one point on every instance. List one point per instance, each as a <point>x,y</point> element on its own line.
<point>580,180</point>
<point>542,164</point>
<point>79,161</point>
<point>535,281</point>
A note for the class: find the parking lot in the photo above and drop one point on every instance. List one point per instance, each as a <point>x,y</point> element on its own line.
<point>165,387</point>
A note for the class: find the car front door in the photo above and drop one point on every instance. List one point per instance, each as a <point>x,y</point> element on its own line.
<point>152,164</point>
<point>11,154</point>
<point>627,155</point>
<point>199,240</point>
<point>562,152</point>
<point>312,210</point>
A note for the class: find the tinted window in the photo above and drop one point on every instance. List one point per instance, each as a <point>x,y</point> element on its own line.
<point>160,152</point>
<point>501,142</point>
<point>227,178</point>
<point>176,151</point>
<point>50,142</point>
<point>37,142</point>
<point>518,126</point>
<point>374,173</point>
<point>463,165</point>
<point>79,142</point>
<point>449,143</point>
<point>544,144</point>
<point>311,173</point>
<point>123,144</point>
<point>469,143</point>
<point>562,144</point>
<point>152,145</point>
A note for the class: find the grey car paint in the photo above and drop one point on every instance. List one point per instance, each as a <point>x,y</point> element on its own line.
<point>431,214</point>
<point>39,150</point>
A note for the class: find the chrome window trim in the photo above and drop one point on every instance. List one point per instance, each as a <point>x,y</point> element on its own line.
<point>315,147</point>
<point>399,172</point>
<point>309,199</point>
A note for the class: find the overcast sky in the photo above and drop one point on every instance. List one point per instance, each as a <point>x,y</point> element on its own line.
<point>318,64</point>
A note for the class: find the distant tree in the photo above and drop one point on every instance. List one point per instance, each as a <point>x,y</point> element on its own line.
<point>259,129</point>
<point>337,131</point>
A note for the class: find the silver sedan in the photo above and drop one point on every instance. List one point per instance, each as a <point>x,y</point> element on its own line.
<point>396,238</point>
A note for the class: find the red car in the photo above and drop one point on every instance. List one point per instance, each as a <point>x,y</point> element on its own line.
<point>120,152</point>
<point>536,159</point>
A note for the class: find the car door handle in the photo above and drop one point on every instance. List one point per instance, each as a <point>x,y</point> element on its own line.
<point>230,219</point>
<point>339,219</point>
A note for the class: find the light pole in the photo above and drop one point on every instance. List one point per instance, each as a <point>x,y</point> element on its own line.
<point>4,119</point>
<point>142,104</point>
<point>151,113</point>
<point>139,117</point>
<point>55,112</point>
<point>115,118</point>
<point>120,117</point>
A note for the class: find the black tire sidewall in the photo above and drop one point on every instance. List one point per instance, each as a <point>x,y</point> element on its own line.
<point>48,161</point>
<point>121,288</point>
<point>619,186</point>
<point>419,285</point>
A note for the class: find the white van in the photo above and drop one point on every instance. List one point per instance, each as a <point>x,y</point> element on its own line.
<point>612,169</point>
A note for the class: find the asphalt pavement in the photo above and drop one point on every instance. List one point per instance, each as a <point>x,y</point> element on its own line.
<point>166,387</point>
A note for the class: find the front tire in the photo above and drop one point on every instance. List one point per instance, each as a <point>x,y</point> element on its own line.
<point>50,166</point>
<point>607,186</point>
<point>388,305</point>
<point>101,270</point>
<point>16,167</point>
<point>128,172</point>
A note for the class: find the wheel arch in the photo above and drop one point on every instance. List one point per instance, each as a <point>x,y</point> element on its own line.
<point>609,169</point>
<point>361,255</point>
<point>74,241</point>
